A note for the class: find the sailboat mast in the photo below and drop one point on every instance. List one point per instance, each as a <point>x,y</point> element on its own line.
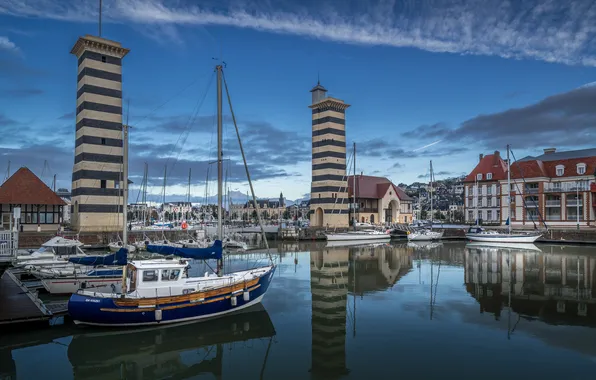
<point>124,184</point>
<point>354,192</point>
<point>508,192</point>
<point>188,197</point>
<point>431,195</point>
<point>219,154</point>
<point>165,174</point>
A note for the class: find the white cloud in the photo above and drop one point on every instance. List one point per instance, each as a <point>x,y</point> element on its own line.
<point>6,44</point>
<point>546,30</point>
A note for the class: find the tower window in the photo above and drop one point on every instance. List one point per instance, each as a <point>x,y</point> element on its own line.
<point>102,183</point>
<point>103,141</point>
<point>103,58</point>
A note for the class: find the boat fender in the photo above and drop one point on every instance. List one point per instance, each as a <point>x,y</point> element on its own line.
<point>158,315</point>
<point>246,296</point>
<point>234,301</point>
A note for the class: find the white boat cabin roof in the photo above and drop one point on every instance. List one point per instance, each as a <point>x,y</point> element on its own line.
<point>159,264</point>
<point>59,241</point>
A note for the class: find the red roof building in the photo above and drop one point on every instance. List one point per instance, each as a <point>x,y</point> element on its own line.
<point>379,201</point>
<point>40,206</point>
<point>554,188</point>
<point>482,190</point>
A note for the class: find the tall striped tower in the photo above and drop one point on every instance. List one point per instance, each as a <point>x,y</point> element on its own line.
<point>329,287</point>
<point>97,171</point>
<point>329,182</point>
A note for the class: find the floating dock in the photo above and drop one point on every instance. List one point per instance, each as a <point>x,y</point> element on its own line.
<point>20,302</point>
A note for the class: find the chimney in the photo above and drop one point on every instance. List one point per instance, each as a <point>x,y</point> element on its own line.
<point>481,156</point>
<point>497,154</point>
<point>550,150</point>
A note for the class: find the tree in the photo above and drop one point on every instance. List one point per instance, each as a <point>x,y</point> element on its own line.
<point>234,215</point>
<point>244,216</point>
<point>215,215</point>
<point>265,215</point>
<point>154,215</point>
<point>458,216</point>
<point>179,215</point>
<point>166,215</point>
<point>254,214</point>
<point>423,214</point>
<point>439,215</point>
<point>286,214</point>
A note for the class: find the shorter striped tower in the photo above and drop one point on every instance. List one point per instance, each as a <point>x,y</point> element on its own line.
<point>97,172</point>
<point>329,193</point>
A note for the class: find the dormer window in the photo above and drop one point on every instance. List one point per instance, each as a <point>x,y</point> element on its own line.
<point>581,169</point>
<point>479,176</point>
<point>489,175</point>
<point>560,170</point>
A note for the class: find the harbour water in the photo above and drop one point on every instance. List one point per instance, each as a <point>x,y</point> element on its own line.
<point>387,311</point>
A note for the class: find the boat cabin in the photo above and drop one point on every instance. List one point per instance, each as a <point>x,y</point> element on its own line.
<point>475,230</point>
<point>157,278</point>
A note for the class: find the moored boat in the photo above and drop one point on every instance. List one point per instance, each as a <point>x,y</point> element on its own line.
<point>479,234</point>
<point>359,235</point>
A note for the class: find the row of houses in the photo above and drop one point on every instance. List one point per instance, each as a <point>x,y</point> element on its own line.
<point>556,188</point>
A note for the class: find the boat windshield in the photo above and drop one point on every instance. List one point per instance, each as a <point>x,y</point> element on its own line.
<point>65,250</point>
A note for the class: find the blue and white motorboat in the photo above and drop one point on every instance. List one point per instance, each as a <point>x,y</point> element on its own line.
<point>161,292</point>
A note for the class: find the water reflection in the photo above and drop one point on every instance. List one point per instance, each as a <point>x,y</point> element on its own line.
<point>554,287</point>
<point>343,312</point>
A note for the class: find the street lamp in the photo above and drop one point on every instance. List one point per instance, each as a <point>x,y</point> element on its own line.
<point>577,202</point>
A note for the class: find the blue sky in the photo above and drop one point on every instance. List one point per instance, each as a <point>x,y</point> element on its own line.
<point>469,76</point>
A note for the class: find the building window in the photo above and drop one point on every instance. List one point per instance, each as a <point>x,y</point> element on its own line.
<point>560,170</point>
<point>102,183</point>
<point>116,184</point>
<point>489,215</point>
<point>581,169</point>
<point>489,175</point>
<point>103,58</point>
<point>103,141</point>
<point>479,176</point>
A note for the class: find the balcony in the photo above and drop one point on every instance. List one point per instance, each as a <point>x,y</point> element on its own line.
<point>575,202</point>
<point>553,203</point>
<point>563,187</point>
<point>531,190</point>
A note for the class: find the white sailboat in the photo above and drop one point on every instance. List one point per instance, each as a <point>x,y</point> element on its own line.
<point>479,234</point>
<point>427,234</point>
<point>362,235</point>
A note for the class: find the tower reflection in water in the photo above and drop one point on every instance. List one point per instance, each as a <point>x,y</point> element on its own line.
<point>538,283</point>
<point>335,273</point>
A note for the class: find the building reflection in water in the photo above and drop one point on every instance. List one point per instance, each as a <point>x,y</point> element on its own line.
<point>335,272</point>
<point>556,288</point>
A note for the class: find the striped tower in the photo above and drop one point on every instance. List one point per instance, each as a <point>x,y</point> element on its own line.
<point>329,193</point>
<point>329,272</point>
<point>97,172</point>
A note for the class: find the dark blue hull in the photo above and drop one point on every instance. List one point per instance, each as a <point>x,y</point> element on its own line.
<point>100,311</point>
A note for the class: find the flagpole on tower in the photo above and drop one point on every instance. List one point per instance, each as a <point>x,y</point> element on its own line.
<point>99,18</point>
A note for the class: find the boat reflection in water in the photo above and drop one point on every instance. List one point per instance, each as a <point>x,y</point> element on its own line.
<point>540,283</point>
<point>158,353</point>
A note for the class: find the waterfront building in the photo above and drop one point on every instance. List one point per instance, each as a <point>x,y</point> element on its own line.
<point>40,206</point>
<point>482,190</point>
<point>556,187</point>
<point>329,192</point>
<point>378,200</point>
<point>268,208</point>
<point>97,172</point>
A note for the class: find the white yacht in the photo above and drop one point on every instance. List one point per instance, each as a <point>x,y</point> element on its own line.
<point>53,253</point>
<point>360,235</point>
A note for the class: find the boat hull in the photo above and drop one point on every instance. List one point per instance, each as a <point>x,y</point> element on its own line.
<point>354,237</point>
<point>502,238</point>
<point>99,311</point>
<point>71,285</point>
<point>425,237</point>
